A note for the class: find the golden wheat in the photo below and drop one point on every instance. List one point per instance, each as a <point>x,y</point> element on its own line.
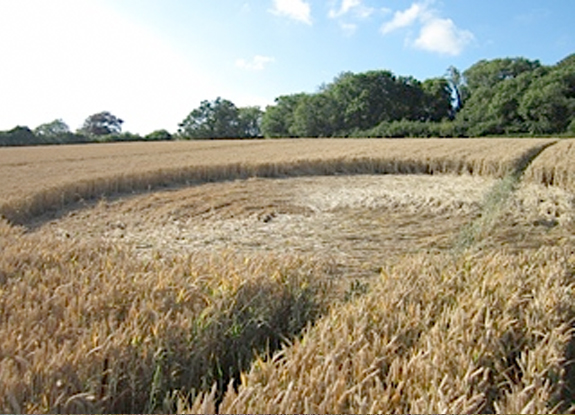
<point>41,178</point>
<point>91,328</point>
<point>554,166</point>
<point>434,335</point>
<point>89,325</point>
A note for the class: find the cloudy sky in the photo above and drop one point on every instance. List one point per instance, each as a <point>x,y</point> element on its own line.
<point>150,62</point>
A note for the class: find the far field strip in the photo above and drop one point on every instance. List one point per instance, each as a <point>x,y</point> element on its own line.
<point>36,179</point>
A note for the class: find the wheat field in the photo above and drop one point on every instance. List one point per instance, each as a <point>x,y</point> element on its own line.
<point>289,276</point>
<point>490,336</point>
<point>554,166</point>
<point>42,178</point>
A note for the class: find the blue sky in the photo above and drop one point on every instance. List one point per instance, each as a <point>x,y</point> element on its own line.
<point>150,62</point>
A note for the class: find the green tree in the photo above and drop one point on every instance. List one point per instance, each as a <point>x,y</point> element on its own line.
<point>57,132</point>
<point>52,129</point>
<point>18,136</point>
<point>436,104</point>
<point>458,87</point>
<point>486,74</point>
<point>277,120</point>
<point>503,109</point>
<point>159,135</point>
<point>250,119</point>
<point>410,99</point>
<point>102,123</point>
<point>511,96</point>
<point>212,119</point>
<point>316,116</point>
<point>496,89</point>
<point>474,114</point>
<point>366,99</point>
<point>546,107</point>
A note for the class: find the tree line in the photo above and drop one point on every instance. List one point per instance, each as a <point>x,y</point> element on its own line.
<point>499,97</point>
<point>509,96</point>
<point>99,127</point>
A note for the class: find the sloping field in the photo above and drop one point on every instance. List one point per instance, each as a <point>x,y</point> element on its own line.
<point>555,166</point>
<point>449,290</point>
<point>42,178</point>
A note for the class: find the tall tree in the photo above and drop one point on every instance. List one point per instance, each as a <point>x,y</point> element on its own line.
<point>366,99</point>
<point>52,129</point>
<point>57,132</point>
<point>489,73</point>
<point>316,116</point>
<point>250,119</point>
<point>102,123</point>
<point>278,119</point>
<point>408,99</point>
<point>546,106</point>
<point>212,119</point>
<point>437,100</point>
<point>18,136</point>
<point>510,96</point>
<point>458,87</point>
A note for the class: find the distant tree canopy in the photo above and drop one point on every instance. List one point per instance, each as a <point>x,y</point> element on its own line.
<point>221,119</point>
<point>278,119</point>
<point>18,136</point>
<point>487,74</point>
<point>58,132</point>
<point>517,96</point>
<point>102,123</point>
<point>55,132</point>
<point>357,102</point>
<point>250,120</point>
<point>159,135</point>
<point>509,96</point>
<point>506,96</point>
<point>52,129</point>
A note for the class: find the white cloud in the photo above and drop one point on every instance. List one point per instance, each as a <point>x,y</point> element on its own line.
<point>355,6</point>
<point>257,63</point>
<point>443,37</point>
<point>436,34</point>
<point>299,10</point>
<point>401,19</point>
